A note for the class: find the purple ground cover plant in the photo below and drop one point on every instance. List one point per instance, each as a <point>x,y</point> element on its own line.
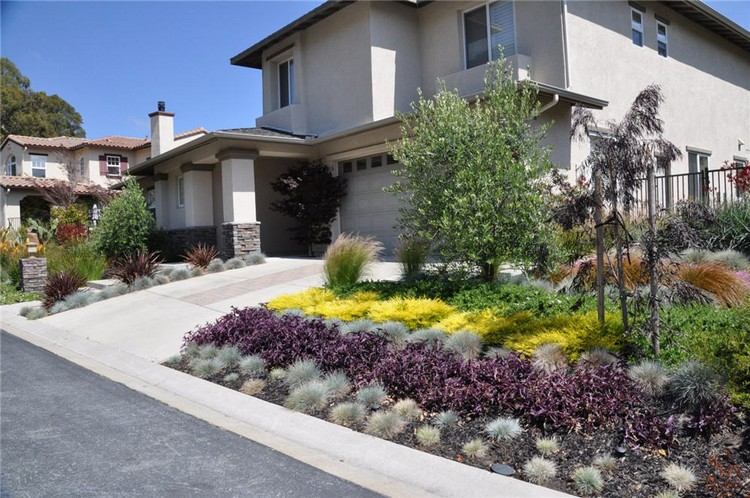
<point>582,399</point>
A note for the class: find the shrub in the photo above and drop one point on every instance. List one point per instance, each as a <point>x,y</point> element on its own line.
<point>230,355</point>
<point>135,265</point>
<point>732,227</point>
<point>372,396</point>
<point>475,449</point>
<point>678,477</point>
<point>539,470</point>
<point>82,259</point>
<point>385,424</point>
<point>251,387</point>
<point>347,259</point>
<point>717,280</point>
<point>465,343</point>
<point>503,429</point>
<point>547,445</point>
<point>412,253</point>
<point>300,372</point>
<point>234,263</point>
<point>231,377</point>
<point>200,255</point>
<point>651,376</point>
<point>309,397</point>
<point>178,274</point>
<point>66,233</point>
<point>216,266</point>
<point>588,480</point>
<point>347,414</point>
<point>60,285</point>
<point>693,386</point>
<point>125,223</point>
<point>337,384</point>
<point>732,259</point>
<point>427,436</point>
<point>252,366</point>
<point>413,312</point>
<point>446,418</point>
<point>549,357</point>
<point>408,409</point>
<point>255,258</point>
<point>428,336</point>
<point>607,463</point>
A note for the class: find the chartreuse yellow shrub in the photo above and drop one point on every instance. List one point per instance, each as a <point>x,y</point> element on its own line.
<point>486,323</point>
<point>306,300</point>
<point>353,308</point>
<point>415,313</point>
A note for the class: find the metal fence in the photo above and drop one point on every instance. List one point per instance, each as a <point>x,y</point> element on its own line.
<point>711,188</point>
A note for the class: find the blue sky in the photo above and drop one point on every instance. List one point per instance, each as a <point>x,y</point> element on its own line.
<point>113,60</point>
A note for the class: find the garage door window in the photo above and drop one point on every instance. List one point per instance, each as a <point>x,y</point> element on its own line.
<point>376,161</point>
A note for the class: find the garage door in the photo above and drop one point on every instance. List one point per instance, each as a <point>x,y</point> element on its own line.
<point>366,209</point>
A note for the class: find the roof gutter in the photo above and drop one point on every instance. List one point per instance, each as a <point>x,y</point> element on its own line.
<point>549,105</point>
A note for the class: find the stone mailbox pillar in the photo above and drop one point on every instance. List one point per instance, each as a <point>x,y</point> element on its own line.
<point>33,274</point>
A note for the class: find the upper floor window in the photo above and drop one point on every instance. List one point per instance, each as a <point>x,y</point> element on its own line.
<point>38,165</point>
<point>636,24</point>
<point>10,166</point>
<point>113,165</point>
<point>661,38</point>
<point>82,167</point>
<point>488,29</point>
<point>286,83</point>
<point>698,162</point>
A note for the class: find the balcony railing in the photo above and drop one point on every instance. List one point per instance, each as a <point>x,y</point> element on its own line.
<point>712,188</point>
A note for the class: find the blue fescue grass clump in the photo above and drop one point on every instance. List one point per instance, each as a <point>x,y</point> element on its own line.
<point>347,414</point>
<point>309,397</point>
<point>234,264</point>
<point>504,429</point>
<point>372,396</point>
<point>142,283</point>
<point>215,266</point>
<point>230,355</point>
<point>36,313</point>
<point>252,366</point>
<point>255,258</point>
<point>300,372</point>
<point>179,274</point>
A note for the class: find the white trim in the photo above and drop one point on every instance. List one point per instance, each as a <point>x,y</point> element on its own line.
<point>44,169</point>
<point>119,164</point>
<point>289,61</point>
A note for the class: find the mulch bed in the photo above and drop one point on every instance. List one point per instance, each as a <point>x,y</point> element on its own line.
<point>636,474</point>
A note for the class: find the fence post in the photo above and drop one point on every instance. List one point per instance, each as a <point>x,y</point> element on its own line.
<point>33,274</point>
<point>652,254</point>
<point>599,244</point>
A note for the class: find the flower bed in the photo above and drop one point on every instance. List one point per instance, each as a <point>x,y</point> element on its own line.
<point>509,326</point>
<point>590,408</point>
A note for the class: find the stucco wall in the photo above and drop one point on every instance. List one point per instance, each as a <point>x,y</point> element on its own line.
<point>705,79</point>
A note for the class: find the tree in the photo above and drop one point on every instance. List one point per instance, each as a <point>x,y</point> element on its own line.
<point>26,112</point>
<point>472,173</point>
<point>311,196</point>
<point>125,223</point>
<point>623,158</point>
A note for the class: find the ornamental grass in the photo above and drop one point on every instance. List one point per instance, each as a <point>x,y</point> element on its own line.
<point>346,260</point>
<point>718,280</point>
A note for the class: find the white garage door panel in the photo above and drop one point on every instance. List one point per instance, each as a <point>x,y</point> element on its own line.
<point>367,210</point>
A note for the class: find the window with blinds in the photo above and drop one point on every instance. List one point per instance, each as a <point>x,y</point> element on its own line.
<point>489,30</point>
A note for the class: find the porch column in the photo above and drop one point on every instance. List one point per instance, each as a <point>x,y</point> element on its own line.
<point>161,200</point>
<point>239,233</point>
<point>198,191</point>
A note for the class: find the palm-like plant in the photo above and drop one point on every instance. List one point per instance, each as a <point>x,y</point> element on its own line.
<point>200,255</point>
<point>140,264</point>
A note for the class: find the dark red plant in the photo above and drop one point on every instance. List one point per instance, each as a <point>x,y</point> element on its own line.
<point>200,255</point>
<point>583,399</point>
<point>140,264</point>
<point>70,232</point>
<point>60,285</point>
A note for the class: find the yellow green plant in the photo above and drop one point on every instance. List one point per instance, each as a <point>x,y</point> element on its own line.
<point>353,308</point>
<point>413,312</point>
<point>305,300</point>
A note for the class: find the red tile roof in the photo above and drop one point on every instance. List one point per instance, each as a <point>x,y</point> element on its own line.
<point>112,141</point>
<point>29,182</point>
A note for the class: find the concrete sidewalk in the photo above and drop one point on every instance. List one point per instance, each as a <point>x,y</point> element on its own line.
<point>151,323</point>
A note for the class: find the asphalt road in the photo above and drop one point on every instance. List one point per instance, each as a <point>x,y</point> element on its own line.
<point>65,431</point>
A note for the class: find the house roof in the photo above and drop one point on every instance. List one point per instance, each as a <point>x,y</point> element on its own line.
<point>73,143</point>
<point>31,183</point>
<point>262,132</point>
<point>695,10</point>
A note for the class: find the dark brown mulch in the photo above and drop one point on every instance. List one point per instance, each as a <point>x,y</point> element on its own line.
<point>636,474</point>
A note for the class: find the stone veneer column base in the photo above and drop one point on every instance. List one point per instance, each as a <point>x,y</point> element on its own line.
<point>180,240</point>
<point>238,239</point>
<point>33,274</point>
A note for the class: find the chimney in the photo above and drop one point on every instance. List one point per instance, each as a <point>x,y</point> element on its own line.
<point>162,130</point>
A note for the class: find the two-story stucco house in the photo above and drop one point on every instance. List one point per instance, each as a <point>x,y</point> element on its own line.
<point>334,80</point>
<point>31,163</point>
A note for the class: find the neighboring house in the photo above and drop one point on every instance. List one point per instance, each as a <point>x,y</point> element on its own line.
<point>334,80</point>
<point>30,163</point>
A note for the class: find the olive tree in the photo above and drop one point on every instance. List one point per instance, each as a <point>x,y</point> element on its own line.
<point>472,173</point>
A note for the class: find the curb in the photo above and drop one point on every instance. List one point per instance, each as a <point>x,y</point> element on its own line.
<point>379,465</point>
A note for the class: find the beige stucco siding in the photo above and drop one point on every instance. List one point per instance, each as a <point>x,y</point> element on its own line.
<point>705,79</point>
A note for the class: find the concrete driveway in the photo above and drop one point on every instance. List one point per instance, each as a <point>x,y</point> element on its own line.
<point>152,322</point>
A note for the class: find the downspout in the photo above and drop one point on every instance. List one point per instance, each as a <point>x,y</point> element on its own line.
<point>549,105</point>
<point>564,16</point>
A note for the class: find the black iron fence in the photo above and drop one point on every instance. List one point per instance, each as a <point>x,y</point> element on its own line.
<point>712,188</point>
